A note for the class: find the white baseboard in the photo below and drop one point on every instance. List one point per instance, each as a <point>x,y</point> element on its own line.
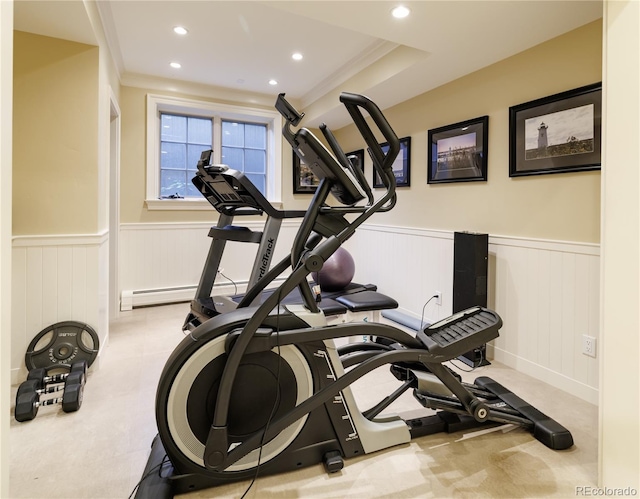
<point>542,373</point>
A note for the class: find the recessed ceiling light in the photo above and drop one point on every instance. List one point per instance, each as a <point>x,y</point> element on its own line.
<point>175,65</point>
<point>297,56</point>
<point>273,82</point>
<point>180,30</point>
<point>400,12</point>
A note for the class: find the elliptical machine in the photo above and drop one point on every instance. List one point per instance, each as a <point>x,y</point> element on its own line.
<point>265,386</point>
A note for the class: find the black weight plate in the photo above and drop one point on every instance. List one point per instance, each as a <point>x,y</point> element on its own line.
<point>61,345</point>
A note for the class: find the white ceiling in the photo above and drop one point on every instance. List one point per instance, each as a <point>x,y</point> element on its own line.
<point>235,47</point>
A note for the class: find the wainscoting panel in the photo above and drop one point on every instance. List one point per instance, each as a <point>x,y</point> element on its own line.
<point>163,262</point>
<point>409,265</point>
<point>547,293</point>
<point>55,279</point>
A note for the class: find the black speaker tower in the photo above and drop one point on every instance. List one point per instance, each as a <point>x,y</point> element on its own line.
<point>470,262</point>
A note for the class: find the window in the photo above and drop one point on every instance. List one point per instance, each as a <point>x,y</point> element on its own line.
<point>178,130</point>
<point>182,139</point>
<point>244,148</point>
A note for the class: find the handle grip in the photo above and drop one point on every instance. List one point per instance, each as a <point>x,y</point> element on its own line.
<point>353,103</point>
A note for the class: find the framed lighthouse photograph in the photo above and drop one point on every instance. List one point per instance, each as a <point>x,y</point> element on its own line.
<point>556,134</point>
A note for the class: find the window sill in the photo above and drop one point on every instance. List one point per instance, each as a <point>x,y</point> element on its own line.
<point>187,204</point>
<point>177,204</point>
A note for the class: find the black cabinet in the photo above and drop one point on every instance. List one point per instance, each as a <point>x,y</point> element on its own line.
<point>470,266</point>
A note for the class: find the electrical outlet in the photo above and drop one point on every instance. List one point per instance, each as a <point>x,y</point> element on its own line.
<point>438,296</point>
<point>588,345</point>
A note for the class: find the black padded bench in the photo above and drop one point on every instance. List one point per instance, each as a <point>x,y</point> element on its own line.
<point>354,299</point>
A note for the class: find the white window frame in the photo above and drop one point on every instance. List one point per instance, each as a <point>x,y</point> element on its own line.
<point>157,104</point>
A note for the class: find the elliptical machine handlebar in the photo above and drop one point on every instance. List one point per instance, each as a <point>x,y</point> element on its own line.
<point>336,166</point>
<point>382,162</point>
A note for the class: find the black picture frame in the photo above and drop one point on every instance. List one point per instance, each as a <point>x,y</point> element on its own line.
<point>358,154</point>
<point>561,133</point>
<point>458,152</point>
<point>304,180</point>
<point>401,166</point>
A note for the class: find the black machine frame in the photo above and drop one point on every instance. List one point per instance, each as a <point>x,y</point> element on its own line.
<point>232,195</point>
<point>264,387</point>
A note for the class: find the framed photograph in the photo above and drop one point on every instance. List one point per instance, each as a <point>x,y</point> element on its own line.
<point>458,152</point>
<point>557,134</point>
<point>304,180</point>
<point>401,166</point>
<point>359,154</point>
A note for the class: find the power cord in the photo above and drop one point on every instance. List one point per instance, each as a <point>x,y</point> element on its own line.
<point>157,467</point>
<point>235,286</point>
<point>276,402</point>
<point>423,307</point>
<point>475,366</point>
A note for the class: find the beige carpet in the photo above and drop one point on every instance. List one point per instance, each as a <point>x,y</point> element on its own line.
<point>101,450</point>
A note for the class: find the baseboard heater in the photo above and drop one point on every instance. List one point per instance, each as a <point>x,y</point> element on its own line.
<point>130,299</point>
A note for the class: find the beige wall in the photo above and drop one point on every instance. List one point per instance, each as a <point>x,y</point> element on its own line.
<point>55,136</point>
<point>558,207</point>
